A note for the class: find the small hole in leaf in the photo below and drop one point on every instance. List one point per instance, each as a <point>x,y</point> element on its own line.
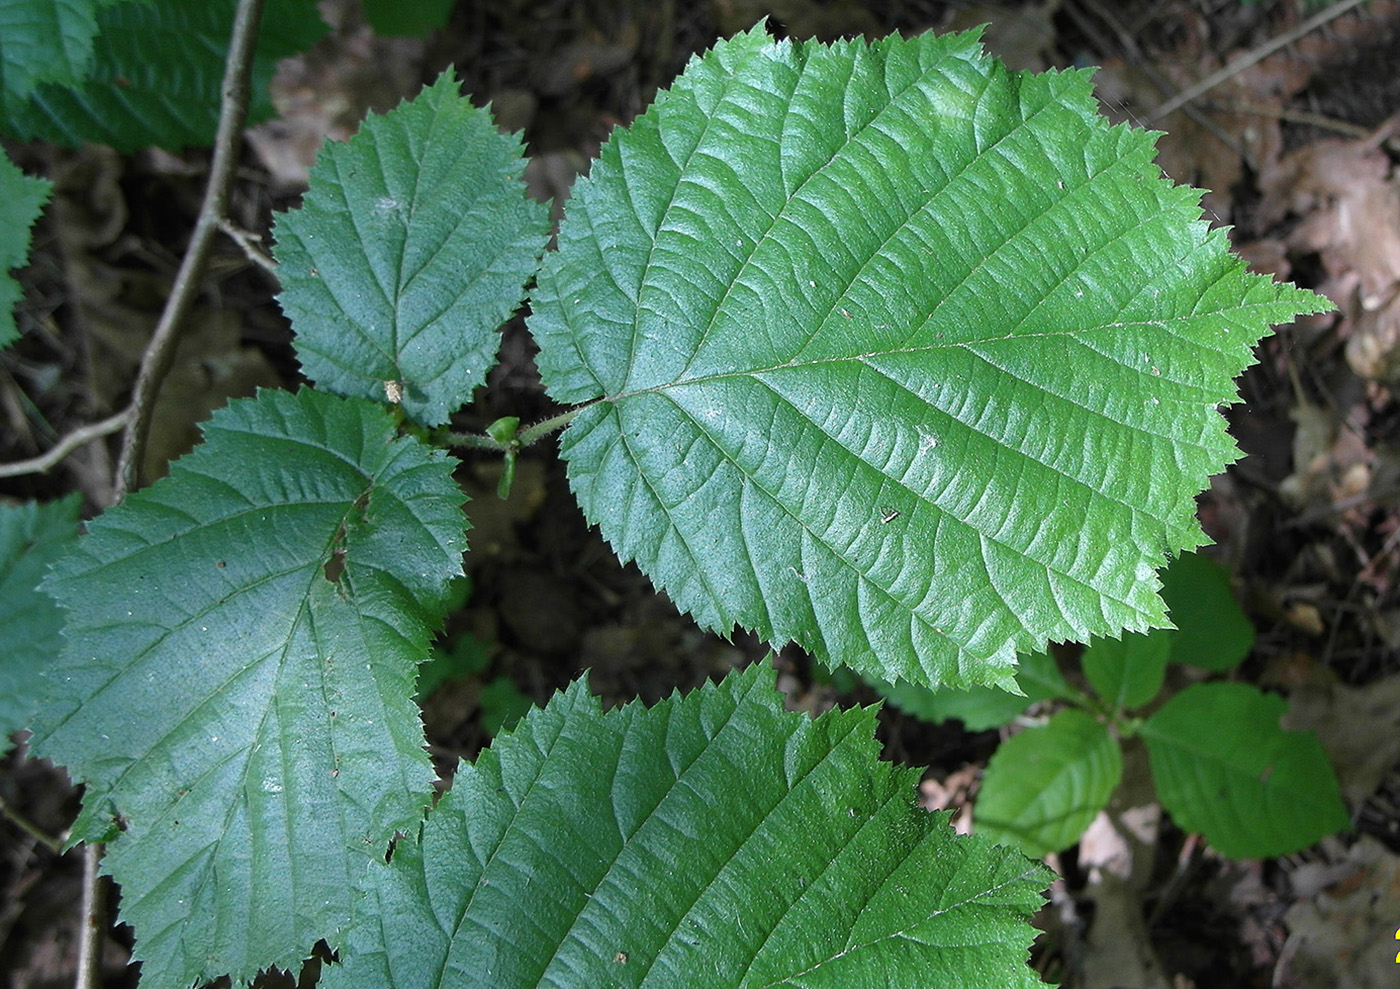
<point>335,566</point>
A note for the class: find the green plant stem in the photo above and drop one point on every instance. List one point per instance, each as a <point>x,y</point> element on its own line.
<point>541,429</point>
<point>160,353</point>
<point>526,437</point>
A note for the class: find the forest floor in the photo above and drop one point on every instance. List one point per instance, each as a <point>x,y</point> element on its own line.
<point>1299,151</point>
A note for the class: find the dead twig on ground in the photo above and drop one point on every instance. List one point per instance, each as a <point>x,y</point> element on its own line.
<point>77,438</point>
<point>1257,55</point>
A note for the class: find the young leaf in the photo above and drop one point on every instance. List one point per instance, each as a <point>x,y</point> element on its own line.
<point>1128,672</point>
<point>1225,768</point>
<point>1211,630</point>
<point>157,73</point>
<point>31,537</point>
<point>413,245</point>
<point>1044,786</point>
<point>22,197</point>
<point>237,689</point>
<point>44,41</point>
<point>894,353</point>
<point>714,840</point>
<point>980,708</point>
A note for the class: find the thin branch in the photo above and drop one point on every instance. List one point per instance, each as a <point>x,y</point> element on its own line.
<point>1258,55</point>
<point>1135,56</point>
<point>160,353</point>
<point>1317,120</point>
<point>30,828</point>
<point>93,930</point>
<point>155,364</point>
<point>77,438</point>
<point>248,242</point>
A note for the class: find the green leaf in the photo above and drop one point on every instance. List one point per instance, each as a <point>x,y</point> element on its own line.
<point>894,353</point>
<point>502,705</point>
<point>1225,768</point>
<point>980,708</point>
<point>22,198</point>
<point>714,840</point>
<point>32,536</point>
<point>237,690</point>
<point>394,18</point>
<point>1211,630</point>
<point>44,41</point>
<point>412,247</point>
<point>157,73</point>
<point>1128,672</point>
<point>1044,786</point>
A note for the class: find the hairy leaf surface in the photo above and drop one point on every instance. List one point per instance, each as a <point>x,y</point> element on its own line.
<point>711,841</point>
<point>22,197</point>
<point>237,689</point>
<point>1044,786</point>
<point>894,353</point>
<point>412,247</point>
<point>156,75</point>
<point>32,536</point>
<point>1224,767</point>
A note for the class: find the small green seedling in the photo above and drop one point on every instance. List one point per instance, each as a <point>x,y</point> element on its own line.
<point>1221,763</point>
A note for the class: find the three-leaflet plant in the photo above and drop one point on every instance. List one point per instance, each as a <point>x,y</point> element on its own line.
<point>1045,785</point>
<point>874,347</point>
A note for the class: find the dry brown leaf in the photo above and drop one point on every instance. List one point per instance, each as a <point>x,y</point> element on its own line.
<point>1349,204</point>
<point>1342,936</point>
<point>1358,726</point>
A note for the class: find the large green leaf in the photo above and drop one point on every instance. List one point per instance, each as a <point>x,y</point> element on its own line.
<point>32,536</point>
<point>1225,768</point>
<point>156,75</point>
<point>412,247</point>
<point>1044,786</point>
<point>44,41</point>
<point>22,197</point>
<point>237,689</point>
<point>894,353</point>
<point>711,841</point>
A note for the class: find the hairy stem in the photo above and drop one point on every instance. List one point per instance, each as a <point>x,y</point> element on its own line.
<point>527,436</point>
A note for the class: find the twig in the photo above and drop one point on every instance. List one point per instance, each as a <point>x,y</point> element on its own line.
<point>1143,64</point>
<point>155,363</point>
<point>93,931</point>
<point>1258,55</point>
<point>30,828</point>
<point>78,437</point>
<point>247,241</point>
<point>1295,117</point>
<point>160,353</point>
